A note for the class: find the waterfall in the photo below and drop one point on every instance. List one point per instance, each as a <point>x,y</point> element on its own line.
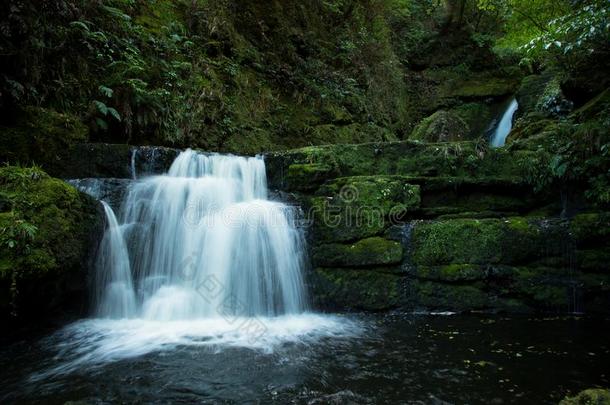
<point>202,241</point>
<point>117,296</point>
<point>498,137</point>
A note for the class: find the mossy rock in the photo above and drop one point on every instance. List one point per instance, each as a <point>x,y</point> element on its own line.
<point>405,158</point>
<point>590,229</point>
<point>48,232</point>
<point>528,94</point>
<point>452,273</point>
<point>366,252</point>
<point>533,125</point>
<point>593,260</point>
<point>354,208</point>
<point>349,134</point>
<point>544,288</point>
<point>471,197</point>
<point>442,126</point>
<point>591,396</point>
<point>308,176</point>
<point>336,223</point>
<point>477,116</point>
<point>386,194</point>
<point>439,296</point>
<point>485,241</point>
<point>40,136</point>
<point>479,87</point>
<point>368,290</point>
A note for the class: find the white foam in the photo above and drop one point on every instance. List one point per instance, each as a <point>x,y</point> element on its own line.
<point>95,342</point>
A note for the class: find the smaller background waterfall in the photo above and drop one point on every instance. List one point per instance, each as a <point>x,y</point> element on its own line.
<point>498,136</point>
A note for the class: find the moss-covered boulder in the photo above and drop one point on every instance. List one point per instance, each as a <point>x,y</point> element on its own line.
<point>353,208</point>
<point>477,116</point>
<point>387,194</point>
<point>550,289</point>
<point>486,241</point>
<point>40,136</point>
<point>371,290</point>
<point>406,158</point>
<point>47,230</point>
<point>543,94</point>
<point>307,176</point>
<point>452,273</point>
<point>440,296</point>
<point>442,126</point>
<point>366,252</point>
<point>591,396</point>
<point>590,229</point>
<point>472,197</point>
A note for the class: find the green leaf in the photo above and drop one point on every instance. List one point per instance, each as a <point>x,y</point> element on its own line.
<point>101,123</point>
<point>114,113</point>
<point>106,91</point>
<point>79,24</point>
<point>101,107</point>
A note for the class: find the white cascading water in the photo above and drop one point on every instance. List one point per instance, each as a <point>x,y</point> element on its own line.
<point>498,137</point>
<point>200,241</point>
<point>117,297</point>
<point>200,257</point>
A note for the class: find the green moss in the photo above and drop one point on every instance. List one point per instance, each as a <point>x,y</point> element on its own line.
<point>452,273</point>
<point>591,396</point>
<point>529,92</point>
<point>547,288</point>
<point>477,241</point>
<point>357,207</point>
<point>595,260</point>
<point>250,142</point>
<point>476,115</point>
<point>359,289</point>
<point>438,296</point>
<point>590,229</point>
<point>442,126</point>
<point>407,158</point>
<point>40,136</point>
<point>64,220</point>
<point>386,194</point>
<point>366,252</point>
<point>307,176</point>
<point>333,222</point>
<point>454,83</point>
<point>597,105</point>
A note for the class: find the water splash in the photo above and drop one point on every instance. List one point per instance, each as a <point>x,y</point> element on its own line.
<point>199,257</point>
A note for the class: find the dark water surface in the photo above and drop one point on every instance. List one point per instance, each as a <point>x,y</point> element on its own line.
<point>400,358</point>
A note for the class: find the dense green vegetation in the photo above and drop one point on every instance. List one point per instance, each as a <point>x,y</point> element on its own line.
<point>247,76</point>
<point>46,228</point>
<point>250,76</point>
<point>415,83</point>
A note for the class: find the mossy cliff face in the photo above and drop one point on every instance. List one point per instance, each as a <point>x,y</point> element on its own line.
<point>489,241</point>
<point>47,232</point>
<point>516,264</point>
